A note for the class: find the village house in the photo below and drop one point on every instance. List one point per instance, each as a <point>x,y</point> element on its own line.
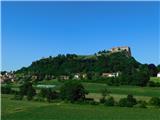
<point>8,76</point>
<point>79,76</point>
<point>158,74</point>
<point>110,74</point>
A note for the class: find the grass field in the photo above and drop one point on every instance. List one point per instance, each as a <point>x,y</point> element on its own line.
<point>123,90</point>
<point>24,110</point>
<point>32,110</point>
<point>120,90</point>
<point>141,93</point>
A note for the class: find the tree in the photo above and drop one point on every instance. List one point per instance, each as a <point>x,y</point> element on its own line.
<point>48,93</point>
<point>127,102</point>
<point>158,67</point>
<point>90,75</point>
<point>27,89</point>
<point>43,92</point>
<point>140,77</point>
<point>153,70</point>
<point>155,101</point>
<point>131,99</point>
<point>142,104</point>
<point>143,76</point>
<point>109,101</point>
<point>6,89</point>
<point>30,93</point>
<point>24,87</point>
<point>72,91</point>
<point>69,64</point>
<point>17,96</point>
<point>104,93</point>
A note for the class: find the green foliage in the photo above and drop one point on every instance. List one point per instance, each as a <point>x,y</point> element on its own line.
<point>24,88</point>
<point>71,63</point>
<point>153,70</point>
<point>51,94</point>
<point>158,67</point>
<point>127,102</point>
<point>94,103</point>
<point>132,72</point>
<point>31,92</point>
<point>102,100</point>
<point>48,93</point>
<point>155,101</point>
<point>6,89</point>
<point>141,104</point>
<point>17,96</point>
<point>105,92</point>
<point>153,84</point>
<point>27,89</point>
<point>115,81</point>
<point>139,77</point>
<point>110,101</point>
<point>72,91</point>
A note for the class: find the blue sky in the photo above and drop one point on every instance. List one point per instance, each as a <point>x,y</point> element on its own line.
<point>32,30</point>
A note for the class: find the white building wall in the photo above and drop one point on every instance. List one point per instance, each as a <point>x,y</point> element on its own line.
<point>158,75</point>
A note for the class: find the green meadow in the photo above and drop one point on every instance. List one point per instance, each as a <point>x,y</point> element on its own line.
<point>33,110</point>
<point>26,110</point>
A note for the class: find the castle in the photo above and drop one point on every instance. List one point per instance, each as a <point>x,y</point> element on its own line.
<point>119,49</point>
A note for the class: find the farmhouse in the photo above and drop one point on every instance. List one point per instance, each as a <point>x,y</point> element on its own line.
<point>110,74</point>
<point>158,74</point>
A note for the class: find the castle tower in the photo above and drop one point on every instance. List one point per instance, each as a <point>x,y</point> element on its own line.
<point>120,49</point>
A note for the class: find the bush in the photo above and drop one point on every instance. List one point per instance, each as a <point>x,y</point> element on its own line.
<point>24,88</point>
<point>47,93</point>
<point>155,101</point>
<point>123,102</point>
<point>102,100</point>
<point>94,102</point>
<point>31,93</point>
<point>127,102</point>
<point>113,81</point>
<point>89,99</point>
<point>153,84</point>
<point>51,94</point>
<point>104,93</point>
<point>17,96</point>
<point>39,98</point>
<point>72,91</point>
<point>6,89</point>
<point>141,104</point>
<point>110,101</point>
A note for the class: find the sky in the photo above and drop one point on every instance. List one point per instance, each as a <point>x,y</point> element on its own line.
<point>32,30</point>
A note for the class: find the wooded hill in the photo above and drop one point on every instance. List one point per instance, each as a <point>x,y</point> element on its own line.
<point>132,72</point>
<point>71,63</point>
